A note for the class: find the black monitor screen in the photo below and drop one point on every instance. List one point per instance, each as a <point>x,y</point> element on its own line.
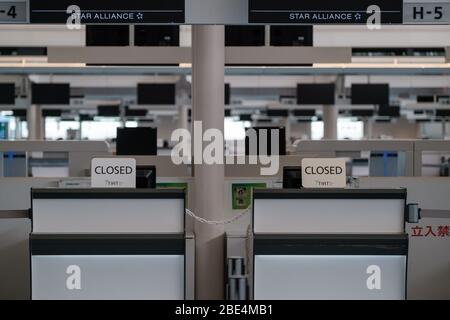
<point>362,113</point>
<point>145,177</point>
<point>244,36</point>
<point>258,130</point>
<point>392,111</point>
<point>443,113</point>
<point>304,112</point>
<point>292,177</point>
<point>86,117</point>
<point>51,113</point>
<point>291,35</point>
<point>136,141</point>
<point>425,99</point>
<point>108,111</point>
<point>227,94</point>
<point>7,93</point>
<point>156,94</point>
<point>20,113</point>
<point>135,112</point>
<point>377,94</point>
<point>323,93</point>
<point>245,117</point>
<point>278,113</point>
<point>107,35</point>
<point>167,36</point>
<point>50,93</point>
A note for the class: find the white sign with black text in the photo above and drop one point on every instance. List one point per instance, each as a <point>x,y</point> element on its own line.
<point>113,173</point>
<point>324,173</point>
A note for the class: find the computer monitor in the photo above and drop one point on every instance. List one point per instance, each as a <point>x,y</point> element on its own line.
<point>107,35</point>
<point>86,117</point>
<point>157,36</point>
<point>296,35</point>
<point>50,93</point>
<point>141,141</point>
<point>20,113</point>
<point>7,93</point>
<point>244,36</point>
<point>316,93</point>
<point>258,132</point>
<point>145,177</point>
<point>362,112</point>
<point>135,112</point>
<point>108,111</point>
<point>245,117</point>
<point>292,177</point>
<point>277,113</point>
<point>156,94</point>
<point>376,94</point>
<point>51,113</point>
<point>389,111</point>
<point>304,112</point>
<point>443,113</point>
<point>227,94</point>
<point>425,99</point>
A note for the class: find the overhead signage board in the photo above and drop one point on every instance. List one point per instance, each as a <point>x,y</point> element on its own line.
<point>426,12</point>
<point>324,173</point>
<point>325,11</point>
<point>113,173</point>
<point>107,11</point>
<point>13,11</point>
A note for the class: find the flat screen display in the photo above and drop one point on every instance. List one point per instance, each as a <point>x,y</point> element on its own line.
<point>108,111</point>
<point>167,36</point>
<point>291,36</point>
<point>156,94</point>
<point>7,93</point>
<point>376,94</point>
<point>107,35</point>
<point>309,93</point>
<point>244,36</point>
<point>51,113</point>
<point>141,141</point>
<point>392,111</point>
<point>50,93</point>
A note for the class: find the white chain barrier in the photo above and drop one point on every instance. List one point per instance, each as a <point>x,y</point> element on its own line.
<point>223,222</point>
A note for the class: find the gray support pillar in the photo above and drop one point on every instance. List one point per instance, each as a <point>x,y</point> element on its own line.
<point>287,125</point>
<point>208,62</point>
<point>183,120</point>
<point>444,127</point>
<point>368,129</point>
<point>35,122</point>
<point>330,118</point>
<point>18,133</point>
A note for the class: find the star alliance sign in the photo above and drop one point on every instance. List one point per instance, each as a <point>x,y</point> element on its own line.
<point>335,17</point>
<point>110,16</point>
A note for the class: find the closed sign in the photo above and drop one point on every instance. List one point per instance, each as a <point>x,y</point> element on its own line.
<point>324,173</point>
<point>113,173</point>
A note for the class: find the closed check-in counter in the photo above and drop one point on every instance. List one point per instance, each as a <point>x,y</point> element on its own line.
<point>119,244</point>
<point>329,244</point>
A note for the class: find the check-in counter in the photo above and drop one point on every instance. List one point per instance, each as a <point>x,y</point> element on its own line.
<point>108,244</point>
<point>329,244</point>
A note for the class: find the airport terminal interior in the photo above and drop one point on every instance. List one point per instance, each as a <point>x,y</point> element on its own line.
<point>236,150</point>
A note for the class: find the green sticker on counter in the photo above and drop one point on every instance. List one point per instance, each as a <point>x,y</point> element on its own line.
<point>242,194</point>
<point>175,185</point>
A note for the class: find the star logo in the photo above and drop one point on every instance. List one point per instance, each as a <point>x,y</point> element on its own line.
<point>140,16</point>
<point>358,16</point>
